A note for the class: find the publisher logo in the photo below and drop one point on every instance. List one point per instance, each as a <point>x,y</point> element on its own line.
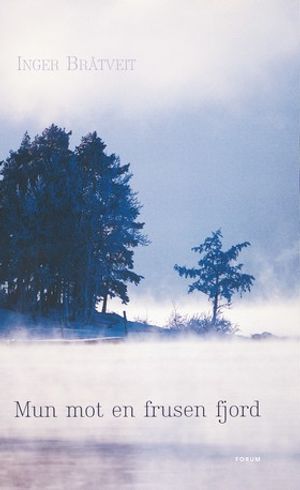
<point>247,459</point>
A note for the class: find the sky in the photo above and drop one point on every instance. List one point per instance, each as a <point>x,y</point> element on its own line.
<point>207,118</point>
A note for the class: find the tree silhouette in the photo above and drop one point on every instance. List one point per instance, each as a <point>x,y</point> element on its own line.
<point>216,275</point>
<point>68,226</point>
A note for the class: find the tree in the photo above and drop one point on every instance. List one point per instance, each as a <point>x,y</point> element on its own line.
<point>108,229</point>
<point>68,226</point>
<point>216,275</point>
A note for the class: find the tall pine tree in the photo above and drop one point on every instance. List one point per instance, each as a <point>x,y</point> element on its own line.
<point>68,226</point>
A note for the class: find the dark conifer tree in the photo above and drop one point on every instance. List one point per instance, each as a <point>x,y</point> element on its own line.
<point>68,226</point>
<point>216,274</point>
<point>109,230</point>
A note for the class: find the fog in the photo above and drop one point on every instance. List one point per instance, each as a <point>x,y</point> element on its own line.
<point>242,52</point>
<point>277,314</point>
<point>145,452</point>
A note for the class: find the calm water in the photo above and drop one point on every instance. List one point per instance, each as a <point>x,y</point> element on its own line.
<point>144,452</point>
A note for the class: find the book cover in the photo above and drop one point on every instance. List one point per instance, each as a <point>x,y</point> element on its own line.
<point>149,259</point>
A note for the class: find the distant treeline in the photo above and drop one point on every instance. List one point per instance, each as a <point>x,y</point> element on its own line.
<point>68,226</point>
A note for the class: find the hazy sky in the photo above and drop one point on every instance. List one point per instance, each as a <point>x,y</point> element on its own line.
<point>207,118</point>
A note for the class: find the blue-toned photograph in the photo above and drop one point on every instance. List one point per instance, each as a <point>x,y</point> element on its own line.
<point>149,245</point>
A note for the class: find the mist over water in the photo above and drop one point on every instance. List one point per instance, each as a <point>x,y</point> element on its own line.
<point>277,314</point>
<point>145,452</point>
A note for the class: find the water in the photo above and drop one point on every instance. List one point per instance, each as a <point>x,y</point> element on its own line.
<point>140,452</point>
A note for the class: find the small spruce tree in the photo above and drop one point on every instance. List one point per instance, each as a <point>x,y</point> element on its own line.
<point>216,275</point>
